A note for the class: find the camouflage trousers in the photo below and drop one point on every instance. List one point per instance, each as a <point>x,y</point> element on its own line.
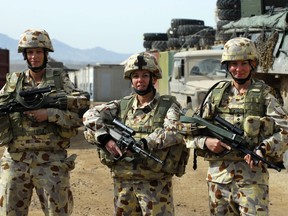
<point>140,197</point>
<point>233,199</point>
<point>50,180</point>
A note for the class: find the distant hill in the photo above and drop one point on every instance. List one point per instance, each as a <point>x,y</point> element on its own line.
<point>66,54</point>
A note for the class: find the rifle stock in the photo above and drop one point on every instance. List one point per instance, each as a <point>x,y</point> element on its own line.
<point>232,136</point>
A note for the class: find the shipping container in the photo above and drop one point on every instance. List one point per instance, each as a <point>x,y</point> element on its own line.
<point>4,65</point>
<point>104,82</point>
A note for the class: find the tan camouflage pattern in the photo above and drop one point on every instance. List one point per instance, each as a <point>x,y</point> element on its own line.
<point>239,49</point>
<point>226,171</point>
<point>152,65</point>
<point>37,152</point>
<point>252,199</point>
<point>35,38</point>
<point>76,102</point>
<point>251,126</point>
<point>7,89</point>
<point>50,180</point>
<point>274,121</point>
<point>6,131</point>
<point>159,139</point>
<point>155,194</point>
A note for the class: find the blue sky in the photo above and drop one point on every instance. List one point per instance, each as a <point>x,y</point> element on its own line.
<point>115,25</point>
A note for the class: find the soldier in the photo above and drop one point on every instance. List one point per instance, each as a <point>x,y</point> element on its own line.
<point>36,140</point>
<point>237,184</point>
<point>142,186</point>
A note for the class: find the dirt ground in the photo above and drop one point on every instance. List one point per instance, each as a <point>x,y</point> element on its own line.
<point>92,187</point>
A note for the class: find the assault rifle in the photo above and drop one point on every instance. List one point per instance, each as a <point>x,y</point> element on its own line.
<point>229,134</point>
<point>45,98</point>
<point>125,141</point>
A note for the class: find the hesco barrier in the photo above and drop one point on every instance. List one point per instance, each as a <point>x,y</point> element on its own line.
<point>4,65</point>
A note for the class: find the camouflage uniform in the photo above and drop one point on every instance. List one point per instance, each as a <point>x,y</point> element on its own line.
<point>35,153</point>
<point>234,188</point>
<point>141,186</point>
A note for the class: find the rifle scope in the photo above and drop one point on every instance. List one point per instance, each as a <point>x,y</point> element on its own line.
<point>35,91</point>
<point>230,126</point>
<point>124,127</point>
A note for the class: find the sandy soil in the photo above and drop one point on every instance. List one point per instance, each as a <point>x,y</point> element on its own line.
<point>92,187</point>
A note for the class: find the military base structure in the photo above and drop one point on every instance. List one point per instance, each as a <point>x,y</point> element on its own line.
<point>104,82</point>
<point>189,53</point>
<point>4,65</point>
<point>195,49</point>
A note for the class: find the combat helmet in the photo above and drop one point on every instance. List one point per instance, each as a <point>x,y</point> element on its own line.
<point>239,48</point>
<point>35,38</point>
<point>142,61</point>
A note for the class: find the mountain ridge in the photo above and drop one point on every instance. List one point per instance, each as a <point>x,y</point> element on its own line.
<point>67,54</point>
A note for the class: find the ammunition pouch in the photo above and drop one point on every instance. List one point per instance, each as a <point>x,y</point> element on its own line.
<point>175,159</point>
<point>267,126</point>
<point>251,126</point>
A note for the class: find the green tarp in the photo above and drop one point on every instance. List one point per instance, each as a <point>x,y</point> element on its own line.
<point>256,23</point>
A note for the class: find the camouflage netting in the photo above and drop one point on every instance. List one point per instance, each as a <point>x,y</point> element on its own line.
<point>265,45</point>
<point>269,27</point>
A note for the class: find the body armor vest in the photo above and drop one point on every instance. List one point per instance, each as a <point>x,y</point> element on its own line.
<point>254,102</point>
<point>158,114</point>
<point>247,114</point>
<point>175,157</point>
<point>23,128</point>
